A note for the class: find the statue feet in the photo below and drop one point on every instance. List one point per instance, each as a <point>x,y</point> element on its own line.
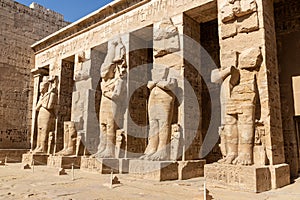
<point>38,150</point>
<point>148,153</point>
<point>60,153</point>
<point>146,156</point>
<point>66,152</point>
<point>159,156</point>
<point>228,159</point>
<point>95,155</point>
<point>243,159</point>
<point>105,154</point>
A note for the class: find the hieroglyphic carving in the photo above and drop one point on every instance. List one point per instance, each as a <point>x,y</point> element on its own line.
<point>135,19</point>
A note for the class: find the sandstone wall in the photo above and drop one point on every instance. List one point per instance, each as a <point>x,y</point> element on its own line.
<point>20,27</point>
<point>287,17</point>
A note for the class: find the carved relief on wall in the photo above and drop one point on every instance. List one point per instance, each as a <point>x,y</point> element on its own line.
<point>238,102</point>
<point>46,108</point>
<point>113,74</point>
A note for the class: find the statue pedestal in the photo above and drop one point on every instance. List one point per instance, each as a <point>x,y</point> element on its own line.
<point>280,175</point>
<point>246,178</point>
<point>190,169</point>
<point>105,165</point>
<point>154,170</point>
<point>65,162</point>
<point>39,159</point>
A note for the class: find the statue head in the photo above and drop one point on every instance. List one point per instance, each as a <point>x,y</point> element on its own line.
<point>72,128</point>
<point>44,85</point>
<point>108,71</point>
<point>53,82</point>
<point>66,127</point>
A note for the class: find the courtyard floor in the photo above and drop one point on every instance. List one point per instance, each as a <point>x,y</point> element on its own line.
<point>45,183</point>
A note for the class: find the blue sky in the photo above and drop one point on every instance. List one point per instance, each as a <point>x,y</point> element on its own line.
<point>71,9</point>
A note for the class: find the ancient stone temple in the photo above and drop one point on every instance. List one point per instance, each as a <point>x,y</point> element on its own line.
<point>169,89</point>
<point>20,27</point>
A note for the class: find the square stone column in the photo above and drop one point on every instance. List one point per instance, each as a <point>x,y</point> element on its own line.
<point>247,42</point>
<point>243,33</point>
<point>86,89</point>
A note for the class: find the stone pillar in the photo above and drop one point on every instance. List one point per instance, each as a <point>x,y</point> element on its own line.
<point>84,113</point>
<point>174,103</point>
<point>176,47</point>
<point>38,76</point>
<point>248,43</point>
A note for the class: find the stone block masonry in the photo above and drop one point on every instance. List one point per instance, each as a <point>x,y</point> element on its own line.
<point>20,27</point>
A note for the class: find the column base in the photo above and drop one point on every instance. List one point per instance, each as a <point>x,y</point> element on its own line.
<point>64,162</point>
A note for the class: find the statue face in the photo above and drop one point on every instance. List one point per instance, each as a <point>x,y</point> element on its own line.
<point>44,87</point>
<point>110,73</point>
<point>72,128</point>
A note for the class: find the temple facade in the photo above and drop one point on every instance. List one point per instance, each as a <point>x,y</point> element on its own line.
<point>173,89</point>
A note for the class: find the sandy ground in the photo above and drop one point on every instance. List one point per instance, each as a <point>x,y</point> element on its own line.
<point>44,183</point>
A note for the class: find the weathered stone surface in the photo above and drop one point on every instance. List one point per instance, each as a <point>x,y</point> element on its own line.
<point>249,92</point>
<point>34,159</point>
<point>190,169</point>
<point>154,170</point>
<point>100,165</point>
<point>259,156</point>
<point>65,162</point>
<point>243,100</point>
<point>12,155</point>
<point>113,75</point>
<point>248,23</point>
<point>245,178</point>
<point>46,108</point>
<point>228,30</point>
<point>20,26</point>
<point>280,175</point>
